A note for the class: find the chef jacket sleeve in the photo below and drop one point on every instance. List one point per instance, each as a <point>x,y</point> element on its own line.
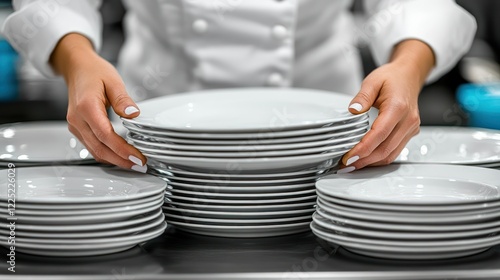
<point>36,26</point>
<point>442,24</point>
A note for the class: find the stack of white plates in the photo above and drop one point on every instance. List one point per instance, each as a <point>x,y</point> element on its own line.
<point>240,205</point>
<point>454,145</point>
<point>243,162</point>
<point>411,211</point>
<point>79,211</point>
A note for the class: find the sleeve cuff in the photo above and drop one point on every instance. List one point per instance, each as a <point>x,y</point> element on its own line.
<point>35,30</point>
<point>443,25</point>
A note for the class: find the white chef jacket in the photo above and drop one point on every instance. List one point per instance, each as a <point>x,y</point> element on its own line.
<point>177,46</point>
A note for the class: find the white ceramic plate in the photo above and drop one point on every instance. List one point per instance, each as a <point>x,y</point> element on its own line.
<point>405,227</point>
<point>240,183</point>
<point>243,189</point>
<point>140,141</point>
<point>420,245</point>
<point>243,231</point>
<point>209,201</point>
<point>255,140</point>
<point>243,208</point>
<point>306,181</point>
<point>242,221</point>
<point>85,212</point>
<point>79,184</point>
<point>235,174</point>
<point>410,207</point>
<point>74,253</point>
<point>419,256</point>
<point>96,218</point>
<point>411,214</point>
<point>41,142</point>
<point>134,221</point>
<point>393,218</point>
<point>219,195</point>
<point>361,122</point>
<point>394,235</point>
<point>459,145</point>
<point>418,184</point>
<point>91,248</point>
<point>89,237</point>
<point>244,109</point>
<point>83,206</point>
<point>238,215</point>
<point>394,252</point>
<point>258,154</point>
<point>91,234</point>
<point>271,164</point>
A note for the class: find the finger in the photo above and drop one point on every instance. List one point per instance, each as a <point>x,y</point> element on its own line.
<point>382,127</point>
<point>94,147</point>
<point>383,153</point>
<point>366,96</point>
<point>103,153</point>
<point>120,101</point>
<point>77,134</point>
<point>104,132</point>
<point>389,159</point>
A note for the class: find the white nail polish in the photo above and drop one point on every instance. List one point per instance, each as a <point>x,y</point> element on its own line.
<point>352,160</point>
<point>130,110</point>
<point>141,169</point>
<point>135,160</point>
<point>346,170</point>
<point>356,106</point>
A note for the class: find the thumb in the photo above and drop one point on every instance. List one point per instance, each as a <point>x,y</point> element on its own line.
<point>366,96</point>
<point>121,102</point>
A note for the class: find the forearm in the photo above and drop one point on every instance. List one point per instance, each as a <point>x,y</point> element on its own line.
<point>415,56</point>
<point>69,52</point>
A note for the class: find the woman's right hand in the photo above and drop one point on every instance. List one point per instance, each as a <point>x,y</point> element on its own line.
<point>94,85</point>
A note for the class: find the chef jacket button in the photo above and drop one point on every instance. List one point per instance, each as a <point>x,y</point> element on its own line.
<point>280,32</point>
<point>200,26</point>
<point>285,52</point>
<point>275,79</point>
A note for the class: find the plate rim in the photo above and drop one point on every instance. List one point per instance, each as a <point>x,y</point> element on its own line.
<point>151,185</point>
<point>399,170</point>
<point>213,93</point>
<point>465,131</point>
<point>362,122</point>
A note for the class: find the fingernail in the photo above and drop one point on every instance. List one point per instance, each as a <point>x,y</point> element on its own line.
<point>356,106</point>
<point>135,160</point>
<point>130,110</point>
<point>351,160</point>
<point>141,169</point>
<point>346,170</point>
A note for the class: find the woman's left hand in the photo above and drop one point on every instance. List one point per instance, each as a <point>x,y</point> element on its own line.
<point>393,89</point>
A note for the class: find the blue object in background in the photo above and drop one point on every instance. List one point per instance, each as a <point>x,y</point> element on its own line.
<point>8,73</point>
<point>482,103</point>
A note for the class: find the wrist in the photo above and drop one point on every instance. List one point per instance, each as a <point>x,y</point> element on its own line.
<point>414,57</point>
<point>72,50</point>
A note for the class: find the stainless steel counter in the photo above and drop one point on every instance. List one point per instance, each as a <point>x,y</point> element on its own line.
<point>179,255</point>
